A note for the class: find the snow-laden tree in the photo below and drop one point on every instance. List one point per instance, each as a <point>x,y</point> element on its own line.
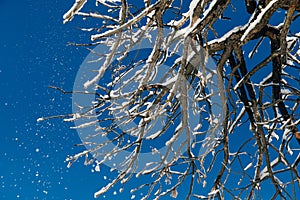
<point>245,147</point>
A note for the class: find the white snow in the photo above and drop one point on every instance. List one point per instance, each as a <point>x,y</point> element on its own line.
<point>193,5</point>
<point>180,21</point>
<point>175,135</point>
<point>178,127</point>
<point>77,6</point>
<point>273,134</point>
<point>205,14</point>
<point>213,192</point>
<point>96,78</point>
<point>109,1</point>
<point>291,41</point>
<point>97,168</point>
<point>227,35</point>
<point>40,119</point>
<point>285,91</point>
<point>248,166</point>
<point>145,12</point>
<point>153,136</point>
<point>251,25</point>
<point>84,125</point>
<point>97,15</point>
<point>265,171</point>
<point>74,117</point>
<point>237,119</point>
<point>198,127</point>
<point>170,81</point>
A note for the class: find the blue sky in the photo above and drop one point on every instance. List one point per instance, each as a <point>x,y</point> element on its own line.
<point>34,54</point>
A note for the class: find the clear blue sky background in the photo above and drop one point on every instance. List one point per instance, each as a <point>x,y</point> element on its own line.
<point>34,55</point>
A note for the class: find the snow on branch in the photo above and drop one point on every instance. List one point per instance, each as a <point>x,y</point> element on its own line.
<point>134,20</point>
<point>77,6</point>
<point>155,84</point>
<point>252,24</point>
